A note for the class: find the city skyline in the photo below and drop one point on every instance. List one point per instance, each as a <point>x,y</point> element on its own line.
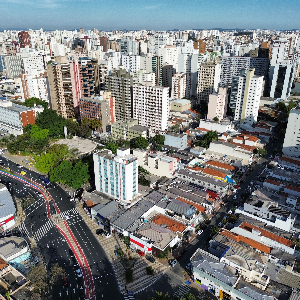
<point>136,15</point>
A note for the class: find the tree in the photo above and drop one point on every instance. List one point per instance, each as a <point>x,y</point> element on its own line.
<point>38,277</point>
<point>37,133</point>
<point>113,146</point>
<point>140,143</point>
<point>160,296</point>
<point>72,127</point>
<point>92,123</point>
<point>164,254</point>
<point>207,138</point>
<point>49,119</point>
<point>33,100</point>
<point>157,141</point>
<point>57,273</point>
<point>216,119</point>
<point>57,153</point>
<point>84,131</point>
<point>214,229</point>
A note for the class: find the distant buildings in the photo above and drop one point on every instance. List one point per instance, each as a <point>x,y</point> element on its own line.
<point>181,86</point>
<point>116,175</point>
<point>127,130</point>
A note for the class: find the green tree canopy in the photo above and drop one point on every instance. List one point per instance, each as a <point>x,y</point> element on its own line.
<point>39,278</point>
<point>158,139</point>
<point>55,154</point>
<point>37,133</point>
<point>92,123</point>
<point>216,119</point>
<point>113,146</point>
<point>207,138</point>
<point>33,100</point>
<point>72,127</point>
<point>73,175</point>
<point>140,142</point>
<point>49,119</point>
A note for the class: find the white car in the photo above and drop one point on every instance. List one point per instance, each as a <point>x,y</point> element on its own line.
<point>234,197</point>
<point>78,273</point>
<point>230,212</point>
<point>107,234</point>
<point>173,263</point>
<point>199,232</point>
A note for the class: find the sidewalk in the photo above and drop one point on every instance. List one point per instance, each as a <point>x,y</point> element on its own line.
<point>140,278</point>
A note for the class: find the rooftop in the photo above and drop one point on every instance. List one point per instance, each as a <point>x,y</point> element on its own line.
<point>169,223</point>
<point>7,206</point>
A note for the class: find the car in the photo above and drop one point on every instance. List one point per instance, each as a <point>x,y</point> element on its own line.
<point>19,166</point>
<point>65,281</point>
<point>173,262</point>
<point>99,231</point>
<point>107,234</point>
<point>44,179</point>
<point>179,256</point>
<point>220,224</point>
<point>23,173</point>
<point>234,197</point>
<point>230,212</point>
<point>199,232</point>
<point>184,250</point>
<point>150,258</point>
<point>71,253</point>
<point>140,252</point>
<point>79,273</point>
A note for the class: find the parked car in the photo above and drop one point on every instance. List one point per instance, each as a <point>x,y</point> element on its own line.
<point>234,197</point>
<point>139,252</point>
<point>65,281</point>
<point>179,256</point>
<point>184,250</point>
<point>150,258</point>
<point>200,232</point>
<point>19,166</point>
<point>23,173</point>
<point>173,262</point>
<point>100,231</point>
<point>79,273</point>
<point>220,224</point>
<point>107,234</point>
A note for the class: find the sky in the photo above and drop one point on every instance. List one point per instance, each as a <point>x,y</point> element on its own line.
<point>149,14</point>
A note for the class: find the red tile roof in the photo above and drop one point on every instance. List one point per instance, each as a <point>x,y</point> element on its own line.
<point>293,188</point>
<point>245,147</point>
<point>268,234</point>
<point>3,264</point>
<point>250,242</point>
<point>171,224</point>
<point>293,161</point>
<point>273,182</point>
<point>221,165</point>
<point>213,173</point>
<point>198,169</point>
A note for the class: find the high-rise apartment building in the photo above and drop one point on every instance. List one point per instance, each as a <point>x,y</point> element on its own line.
<point>24,39</point>
<point>217,105</point>
<point>208,80</point>
<point>181,86</point>
<point>232,65</point>
<point>291,144</point>
<point>151,106</point>
<point>281,79</point>
<point>100,108</point>
<point>200,45</point>
<point>82,76</point>
<point>157,63</point>
<point>131,63</point>
<point>248,97</point>
<point>168,71</point>
<point>119,83</point>
<point>35,86</point>
<point>13,66</point>
<point>116,175</point>
<point>60,87</point>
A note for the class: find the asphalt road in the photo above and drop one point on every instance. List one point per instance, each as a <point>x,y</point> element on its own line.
<point>52,244</point>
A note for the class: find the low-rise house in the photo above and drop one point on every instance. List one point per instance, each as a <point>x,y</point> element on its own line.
<point>128,130</point>
<point>157,164</point>
<point>269,213</point>
<point>176,140</point>
<point>218,126</point>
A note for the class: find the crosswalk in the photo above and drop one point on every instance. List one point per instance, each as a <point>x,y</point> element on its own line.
<point>22,228</point>
<point>43,230</point>
<point>182,290</point>
<point>129,297</point>
<point>70,215</point>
